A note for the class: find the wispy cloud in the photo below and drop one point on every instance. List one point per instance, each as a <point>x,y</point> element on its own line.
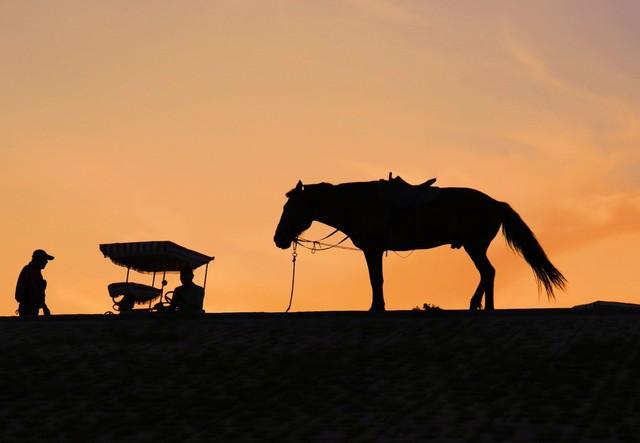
<point>609,124</point>
<point>542,71</point>
<point>595,220</point>
<point>536,67</point>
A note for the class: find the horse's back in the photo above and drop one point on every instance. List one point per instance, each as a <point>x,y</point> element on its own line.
<point>466,198</point>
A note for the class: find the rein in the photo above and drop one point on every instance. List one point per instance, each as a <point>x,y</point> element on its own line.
<point>319,245</point>
<point>316,245</point>
<point>294,256</point>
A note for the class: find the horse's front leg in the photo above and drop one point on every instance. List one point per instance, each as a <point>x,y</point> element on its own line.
<point>374,262</point>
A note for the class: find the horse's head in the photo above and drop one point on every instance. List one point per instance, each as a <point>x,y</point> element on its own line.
<point>295,218</point>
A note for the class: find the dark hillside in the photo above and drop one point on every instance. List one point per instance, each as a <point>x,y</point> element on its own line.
<point>551,375</point>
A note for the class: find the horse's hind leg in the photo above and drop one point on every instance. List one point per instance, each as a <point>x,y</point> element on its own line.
<point>476,299</point>
<point>478,254</point>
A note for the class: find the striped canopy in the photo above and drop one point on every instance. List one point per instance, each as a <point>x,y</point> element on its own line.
<point>153,256</point>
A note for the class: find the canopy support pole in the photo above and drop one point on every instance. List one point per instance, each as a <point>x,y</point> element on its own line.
<point>162,285</point>
<point>128,269</point>
<point>153,285</point>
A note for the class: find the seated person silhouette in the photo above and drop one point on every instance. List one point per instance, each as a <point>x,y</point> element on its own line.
<point>189,297</point>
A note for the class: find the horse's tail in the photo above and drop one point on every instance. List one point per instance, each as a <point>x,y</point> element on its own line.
<point>520,238</point>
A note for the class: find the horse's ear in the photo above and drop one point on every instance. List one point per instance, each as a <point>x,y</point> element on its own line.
<point>298,189</point>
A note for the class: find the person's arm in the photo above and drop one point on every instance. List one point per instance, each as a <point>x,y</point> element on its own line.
<point>43,304</point>
<point>176,301</point>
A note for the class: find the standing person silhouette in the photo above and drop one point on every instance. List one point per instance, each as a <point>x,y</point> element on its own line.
<point>30,288</point>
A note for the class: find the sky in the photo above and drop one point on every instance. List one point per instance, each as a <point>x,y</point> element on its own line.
<point>189,121</point>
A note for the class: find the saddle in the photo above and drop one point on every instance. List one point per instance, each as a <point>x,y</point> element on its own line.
<point>398,193</point>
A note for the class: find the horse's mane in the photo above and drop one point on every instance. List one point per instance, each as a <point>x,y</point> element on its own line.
<point>312,187</point>
<point>354,189</point>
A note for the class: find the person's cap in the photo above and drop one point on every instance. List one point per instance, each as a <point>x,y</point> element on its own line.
<point>40,253</point>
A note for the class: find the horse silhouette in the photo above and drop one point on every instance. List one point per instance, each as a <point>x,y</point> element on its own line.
<point>394,215</point>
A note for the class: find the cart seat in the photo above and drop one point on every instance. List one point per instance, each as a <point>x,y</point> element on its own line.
<point>138,292</point>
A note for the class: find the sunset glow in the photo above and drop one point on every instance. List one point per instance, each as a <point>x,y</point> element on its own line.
<point>189,121</point>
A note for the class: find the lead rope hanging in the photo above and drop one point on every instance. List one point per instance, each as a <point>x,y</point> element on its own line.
<point>294,256</point>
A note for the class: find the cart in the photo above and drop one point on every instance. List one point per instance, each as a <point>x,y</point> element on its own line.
<point>149,257</point>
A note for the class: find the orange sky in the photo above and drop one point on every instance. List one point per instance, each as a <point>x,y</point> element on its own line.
<point>188,121</point>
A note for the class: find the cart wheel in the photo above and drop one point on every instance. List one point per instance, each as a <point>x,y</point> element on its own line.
<point>116,299</point>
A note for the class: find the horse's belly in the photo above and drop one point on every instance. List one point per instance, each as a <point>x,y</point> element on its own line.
<point>417,230</point>
<point>416,244</point>
<point>418,239</point>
